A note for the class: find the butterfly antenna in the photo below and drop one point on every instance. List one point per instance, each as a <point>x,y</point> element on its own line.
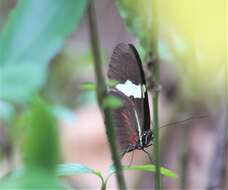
<point>148,155</point>
<point>183,121</point>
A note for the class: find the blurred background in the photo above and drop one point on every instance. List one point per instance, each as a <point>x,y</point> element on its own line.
<point>193,66</point>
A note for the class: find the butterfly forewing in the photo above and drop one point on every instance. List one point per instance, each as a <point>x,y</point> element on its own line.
<point>146,110</point>
<point>125,67</point>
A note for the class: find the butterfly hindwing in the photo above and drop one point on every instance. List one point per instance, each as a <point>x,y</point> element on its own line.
<point>125,122</point>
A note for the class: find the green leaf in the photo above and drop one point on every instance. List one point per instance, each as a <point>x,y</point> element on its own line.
<point>151,168</point>
<point>33,34</point>
<point>71,169</point>
<point>41,146</point>
<point>21,177</point>
<point>31,179</point>
<point>146,168</point>
<point>112,83</point>
<point>112,102</point>
<point>89,86</point>
<point>19,82</point>
<point>36,29</point>
<point>6,111</point>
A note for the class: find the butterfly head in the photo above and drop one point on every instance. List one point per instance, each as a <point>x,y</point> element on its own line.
<point>147,137</point>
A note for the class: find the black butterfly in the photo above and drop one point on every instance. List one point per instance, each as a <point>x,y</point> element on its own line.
<point>133,118</point>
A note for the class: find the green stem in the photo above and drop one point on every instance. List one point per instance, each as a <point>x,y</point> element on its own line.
<point>156,141</point>
<point>102,94</point>
<point>156,75</point>
<point>184,158</point>
<point>103,186</point>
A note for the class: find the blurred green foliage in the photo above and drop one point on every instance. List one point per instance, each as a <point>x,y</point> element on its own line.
<point>32,179</point>
<point>40,150</point>
<point>138,17</point>
<point>6,111</point>
<point>68,70</point>
<point>41,139</point>
<point>32,36</point>
<point>147,168</point>
<point>112,102</point>
<point>92,86</point>
<point>19,81</point>
<point>34,33</point>
<point>71,169</point>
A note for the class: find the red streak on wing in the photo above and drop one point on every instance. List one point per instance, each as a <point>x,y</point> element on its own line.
<point>133,137</point>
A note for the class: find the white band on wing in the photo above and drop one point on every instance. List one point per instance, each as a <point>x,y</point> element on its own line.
<point>130,89</point>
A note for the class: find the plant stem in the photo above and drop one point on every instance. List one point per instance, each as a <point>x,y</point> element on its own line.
<point>102,94</point>
<point>226,122</point>
<point>155,70</point>
<point>103,186</point>
<point>156,141</point>
<point>184,158</point>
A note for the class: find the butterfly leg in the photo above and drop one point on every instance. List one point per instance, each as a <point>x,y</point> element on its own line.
<point>148,155</point>
<point>132,156</point>
<point>130,147</point>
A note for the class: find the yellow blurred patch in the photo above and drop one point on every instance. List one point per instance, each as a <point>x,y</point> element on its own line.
<point>195,35</point>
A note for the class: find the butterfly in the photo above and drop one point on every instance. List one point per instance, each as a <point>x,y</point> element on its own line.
<point>132,119</point>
